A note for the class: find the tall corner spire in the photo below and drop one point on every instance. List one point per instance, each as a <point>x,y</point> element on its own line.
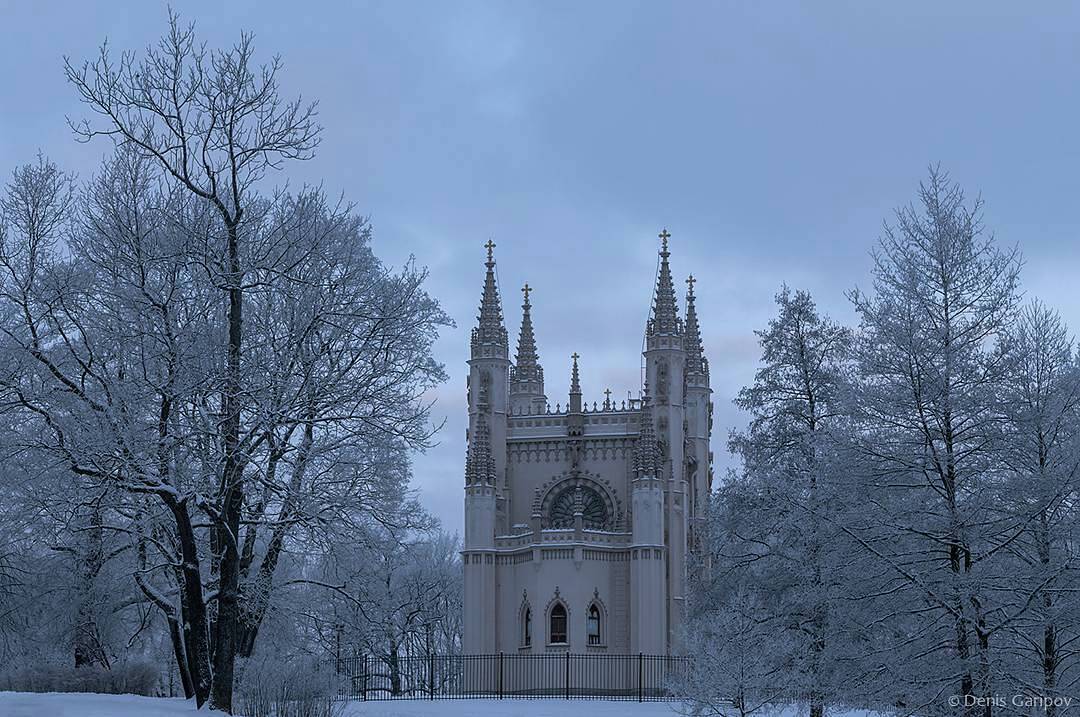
<point>696,363</point>
<point>526,373</point>
<point>646,450</point>
<point>489,323</point>
<point>664,319</point>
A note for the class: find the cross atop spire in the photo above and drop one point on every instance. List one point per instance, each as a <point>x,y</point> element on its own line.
<point>575,381</point>
<point>489,323</point>
<point>665,312</point>
<point>526,290</point>
<point>690,281</point>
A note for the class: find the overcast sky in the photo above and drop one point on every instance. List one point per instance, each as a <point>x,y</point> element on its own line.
<point>771,139</point>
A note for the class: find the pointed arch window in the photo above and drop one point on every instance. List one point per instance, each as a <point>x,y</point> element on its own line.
<point>557,632</point>
<point>592,625</point>
<point>526,628</point>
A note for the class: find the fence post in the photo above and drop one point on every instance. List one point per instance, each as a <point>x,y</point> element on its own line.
<point>500,675</point>
<point>568,675</point>
<point>431,675</point>
<point>365,677</point>
<point>640,677</point>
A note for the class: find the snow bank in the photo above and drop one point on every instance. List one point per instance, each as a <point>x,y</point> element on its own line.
<point>82,704</point>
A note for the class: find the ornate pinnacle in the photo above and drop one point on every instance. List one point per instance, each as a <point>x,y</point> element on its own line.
<point>489,323</point>
<point>575,382</point>
<point>479,463</point>
<point>665,312</point>
<point>527,362</point>
<point>647,450</point>
<point>695,353</point>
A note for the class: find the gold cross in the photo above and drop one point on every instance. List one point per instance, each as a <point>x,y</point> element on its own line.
<point>525,290</point>
<point>489,246</point>
<point>664,236</point>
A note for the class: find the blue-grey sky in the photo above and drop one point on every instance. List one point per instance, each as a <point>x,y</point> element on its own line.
<point>770,138</point>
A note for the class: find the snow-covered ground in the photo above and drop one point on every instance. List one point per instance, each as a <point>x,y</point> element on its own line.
<point>23,704</point>
<point>81,704</point>
<point>510,708</point>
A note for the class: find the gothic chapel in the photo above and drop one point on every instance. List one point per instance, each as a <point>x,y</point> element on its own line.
<point>579,519</point>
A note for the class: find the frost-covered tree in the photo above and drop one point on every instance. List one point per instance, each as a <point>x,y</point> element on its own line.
<point>770,542</point>
<point>930,411</point>
<point>1042,460</point>
<point>234,369</point>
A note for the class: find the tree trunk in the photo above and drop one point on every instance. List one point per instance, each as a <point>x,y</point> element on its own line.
<point>192,606</point>
<point>232,492</point>
<point>88,650</point>
<point>1050,657</point>
<point>180,654</point>
<point>258,597</point>
<point>1050,662</point>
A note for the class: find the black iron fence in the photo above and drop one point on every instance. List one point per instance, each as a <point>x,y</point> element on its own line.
<point>561,675</point>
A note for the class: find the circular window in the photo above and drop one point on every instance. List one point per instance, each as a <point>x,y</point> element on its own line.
<point>567,502</point>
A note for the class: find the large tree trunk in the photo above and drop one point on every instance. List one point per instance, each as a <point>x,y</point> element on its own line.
<point>87,648</point>
<point>192,606</point>
<point>232,491</point>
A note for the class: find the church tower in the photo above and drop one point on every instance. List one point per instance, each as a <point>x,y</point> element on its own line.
<point>665,371</point>
<point>485,463</point>
<point>579,517</point>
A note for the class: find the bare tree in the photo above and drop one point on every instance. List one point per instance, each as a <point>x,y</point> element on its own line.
<point>215,124</point>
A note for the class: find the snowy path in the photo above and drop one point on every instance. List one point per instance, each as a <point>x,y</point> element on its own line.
<point>21,704</point>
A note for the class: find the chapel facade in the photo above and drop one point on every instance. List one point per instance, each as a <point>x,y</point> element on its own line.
<point>579,519</point>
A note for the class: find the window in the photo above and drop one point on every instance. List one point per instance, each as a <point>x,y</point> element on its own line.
<point>570,500</point>
<point>526,637</point>
<point>558,625</point>
<point>592,625</point>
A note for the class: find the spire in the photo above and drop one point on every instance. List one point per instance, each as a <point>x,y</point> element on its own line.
<point>575,387</point>
<point>489,327</point>
<point>665,313</point>
<point>647,450</point>
<point>479,463</point>
<point>527,363</point>
<point>695,354</point>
